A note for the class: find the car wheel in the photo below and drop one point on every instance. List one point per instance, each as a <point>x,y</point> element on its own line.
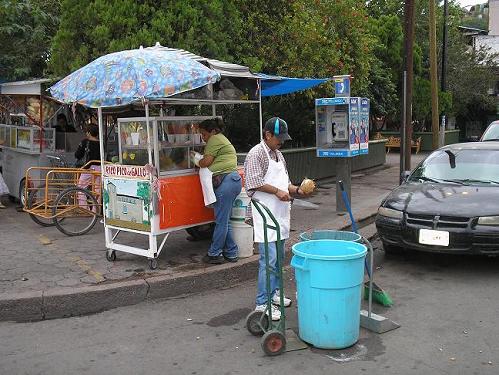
<point>392,249</point>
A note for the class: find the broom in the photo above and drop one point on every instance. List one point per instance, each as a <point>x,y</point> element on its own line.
<point>378,294</point>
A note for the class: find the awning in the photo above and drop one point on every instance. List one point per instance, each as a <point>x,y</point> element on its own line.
<point>277,85</point>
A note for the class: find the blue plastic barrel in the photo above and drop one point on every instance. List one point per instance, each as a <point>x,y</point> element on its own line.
<point>329,275</point>
<point>330,235</point>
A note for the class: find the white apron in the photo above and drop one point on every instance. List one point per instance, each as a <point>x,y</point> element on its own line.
<point>205,176</point>
<point>276,176</point>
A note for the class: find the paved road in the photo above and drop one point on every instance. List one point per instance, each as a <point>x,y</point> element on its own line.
<point>447,307</point>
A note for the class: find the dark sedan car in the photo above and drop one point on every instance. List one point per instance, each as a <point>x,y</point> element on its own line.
<point>491,133</point>
<point>449,203</point>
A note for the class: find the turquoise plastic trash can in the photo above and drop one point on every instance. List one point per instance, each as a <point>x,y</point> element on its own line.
<point>329,275</point>
<point>330,235</point>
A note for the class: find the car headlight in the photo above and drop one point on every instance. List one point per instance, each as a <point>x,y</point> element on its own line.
<point>391,213</point>
<point>488,220</point>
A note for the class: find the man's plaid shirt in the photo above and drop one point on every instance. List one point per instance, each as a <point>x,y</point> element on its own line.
<point>256,166</point>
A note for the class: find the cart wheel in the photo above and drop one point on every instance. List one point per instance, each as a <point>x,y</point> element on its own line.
<point>273,343</point>
<point>153,263</point>
<point>257,322</point>
<point>111,255</point>
<point>71,217</point>
<point>36,196</point>
<point>22,191</point>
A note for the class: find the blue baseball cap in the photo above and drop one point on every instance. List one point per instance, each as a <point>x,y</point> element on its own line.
<point>278,127</point>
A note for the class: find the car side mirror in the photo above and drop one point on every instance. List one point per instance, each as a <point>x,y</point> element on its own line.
<point>405,176</point>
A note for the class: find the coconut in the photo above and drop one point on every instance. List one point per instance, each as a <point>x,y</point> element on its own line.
<point>307,185</point>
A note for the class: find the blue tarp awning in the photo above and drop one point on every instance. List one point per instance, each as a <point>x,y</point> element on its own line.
<point>277,85</point>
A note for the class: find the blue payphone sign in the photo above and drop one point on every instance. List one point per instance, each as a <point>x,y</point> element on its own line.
<point>342,86</point>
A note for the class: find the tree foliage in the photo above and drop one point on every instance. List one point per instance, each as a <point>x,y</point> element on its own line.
<point>26,31</point>
<point>200,26</point>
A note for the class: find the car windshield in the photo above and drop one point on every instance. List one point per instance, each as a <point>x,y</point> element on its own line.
<point>492,133</point>
<point>459,166</point>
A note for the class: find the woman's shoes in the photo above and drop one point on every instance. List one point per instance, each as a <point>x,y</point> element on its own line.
<point>232,260</point>
<point>213,260</point>
<point>219,259</point>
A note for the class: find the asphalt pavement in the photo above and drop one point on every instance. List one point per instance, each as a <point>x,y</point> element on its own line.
<point>447,308</point>
<point>45,274</point>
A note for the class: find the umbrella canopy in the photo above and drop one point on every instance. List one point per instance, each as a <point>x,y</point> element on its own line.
<point>121,78</point>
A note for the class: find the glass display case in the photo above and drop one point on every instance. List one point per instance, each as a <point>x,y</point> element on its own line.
<point>133,141</point>
<point>173,140</point>
<point>27,138</point>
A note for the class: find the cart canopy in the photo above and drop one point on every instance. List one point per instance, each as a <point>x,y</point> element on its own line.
<point>278,85</point>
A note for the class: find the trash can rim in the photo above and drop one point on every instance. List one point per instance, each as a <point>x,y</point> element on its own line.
<point>304,235</point>
<point>296,251</point>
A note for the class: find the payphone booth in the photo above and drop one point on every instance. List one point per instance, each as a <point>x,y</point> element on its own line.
<point>337,127</point>
<point>342,131</point>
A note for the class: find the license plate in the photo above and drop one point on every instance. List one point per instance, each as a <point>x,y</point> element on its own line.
<point>433,237</point>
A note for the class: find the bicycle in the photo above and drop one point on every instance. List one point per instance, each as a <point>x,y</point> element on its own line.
<point>59,201</point>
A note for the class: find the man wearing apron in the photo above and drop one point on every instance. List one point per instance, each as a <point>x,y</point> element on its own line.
<point>266,179</point>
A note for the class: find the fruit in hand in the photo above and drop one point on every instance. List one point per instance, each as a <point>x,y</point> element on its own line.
<point>307,186</point>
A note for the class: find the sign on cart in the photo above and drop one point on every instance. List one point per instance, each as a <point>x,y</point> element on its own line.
<point>127,171</point>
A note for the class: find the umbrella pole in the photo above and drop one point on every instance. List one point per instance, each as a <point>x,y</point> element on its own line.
<point>101,138</point>
<point>148,133</point>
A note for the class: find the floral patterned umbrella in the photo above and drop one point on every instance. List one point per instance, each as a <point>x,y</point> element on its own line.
<point>124,77</point>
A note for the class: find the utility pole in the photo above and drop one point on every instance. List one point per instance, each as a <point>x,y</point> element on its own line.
<point>443,85</point>
<point>408,60</point>
<point>433,75</point>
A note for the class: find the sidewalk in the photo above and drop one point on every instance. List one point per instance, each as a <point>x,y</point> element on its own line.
<point>45,274</point>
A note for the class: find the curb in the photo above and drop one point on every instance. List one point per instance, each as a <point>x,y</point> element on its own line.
<point>64,303</point>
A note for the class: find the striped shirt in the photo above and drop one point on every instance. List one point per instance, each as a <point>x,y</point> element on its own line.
<point>256,166</point>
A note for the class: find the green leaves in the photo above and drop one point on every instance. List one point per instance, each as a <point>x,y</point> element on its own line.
<point>26,30</point>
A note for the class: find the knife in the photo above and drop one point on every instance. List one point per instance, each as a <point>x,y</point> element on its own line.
<point>304,204</point>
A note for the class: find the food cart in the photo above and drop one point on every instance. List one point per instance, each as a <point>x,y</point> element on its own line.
<point>26,139</point>
<point>152,187</point>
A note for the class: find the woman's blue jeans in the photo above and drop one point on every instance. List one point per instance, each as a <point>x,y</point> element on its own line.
<point>226,194</point>
<point>261,293</point>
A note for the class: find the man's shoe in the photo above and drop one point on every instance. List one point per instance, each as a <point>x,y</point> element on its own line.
<point>232,260</point>
<point>276,314</point>
<point>277,301</point>
<point>213,260</point>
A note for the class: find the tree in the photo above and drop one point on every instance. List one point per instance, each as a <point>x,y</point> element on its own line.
<point>26,30</point>
<point>200,26</point>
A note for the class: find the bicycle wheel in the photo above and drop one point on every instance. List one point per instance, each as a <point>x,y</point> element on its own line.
<point>35,197</point>
<point>75,211</point>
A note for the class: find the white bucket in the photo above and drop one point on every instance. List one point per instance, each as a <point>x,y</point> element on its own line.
<point>243,236</point>
<point>239,207</point>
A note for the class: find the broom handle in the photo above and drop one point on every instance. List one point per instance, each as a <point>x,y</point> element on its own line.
<point>344,195</point>
<point>371,256</point>
<point>354,227</point>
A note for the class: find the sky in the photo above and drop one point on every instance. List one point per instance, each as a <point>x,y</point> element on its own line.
<point>470,2</point>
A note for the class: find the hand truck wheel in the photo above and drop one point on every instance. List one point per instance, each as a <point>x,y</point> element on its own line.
<point>153,263</point>
<point>257,322</point>
<point>273,343</point>
<point>111,255</point>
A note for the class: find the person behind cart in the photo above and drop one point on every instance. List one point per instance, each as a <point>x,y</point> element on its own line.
<point>63,125</point>
<point>88,150</point>
<point>267,180</point>
<point>220,159</point>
